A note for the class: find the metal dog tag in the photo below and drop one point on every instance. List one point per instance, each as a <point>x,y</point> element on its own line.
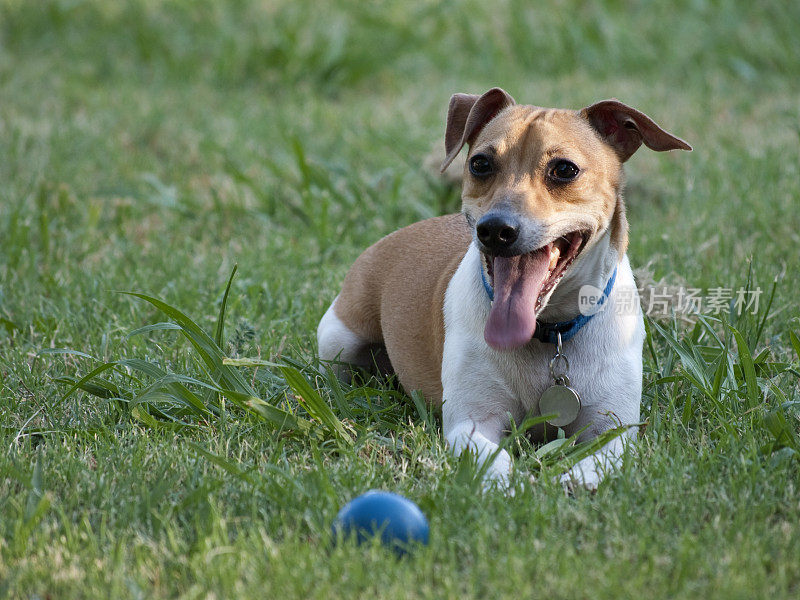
<point>560,400</point>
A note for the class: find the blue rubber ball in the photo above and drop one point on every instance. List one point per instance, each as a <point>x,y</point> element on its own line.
<point>398,520</point>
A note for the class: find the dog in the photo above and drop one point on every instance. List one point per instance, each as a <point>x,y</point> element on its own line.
<point>523,299</point>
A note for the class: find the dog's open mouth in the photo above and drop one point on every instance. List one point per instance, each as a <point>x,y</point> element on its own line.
<point>520,285</point>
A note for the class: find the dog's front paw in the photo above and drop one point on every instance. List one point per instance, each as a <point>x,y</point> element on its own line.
<point>572,481</point>
<point>498,472</point>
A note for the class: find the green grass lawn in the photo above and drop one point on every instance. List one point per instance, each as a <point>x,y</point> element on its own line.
<point>151,146</point>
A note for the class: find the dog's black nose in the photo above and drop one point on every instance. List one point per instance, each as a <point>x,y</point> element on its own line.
<point>497,232</point>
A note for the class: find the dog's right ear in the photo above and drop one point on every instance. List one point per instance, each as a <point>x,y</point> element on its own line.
<point>467,115</point>
<point>625,129</point>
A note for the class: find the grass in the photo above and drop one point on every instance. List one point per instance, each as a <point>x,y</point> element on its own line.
<point>151,146</point>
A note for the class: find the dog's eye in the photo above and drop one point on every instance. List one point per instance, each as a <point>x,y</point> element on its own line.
<point>563,170</point>
<point>481,165</point>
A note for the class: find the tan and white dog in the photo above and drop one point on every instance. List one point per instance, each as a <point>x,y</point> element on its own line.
<point>467,307</point>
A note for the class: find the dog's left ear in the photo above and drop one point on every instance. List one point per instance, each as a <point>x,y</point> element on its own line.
<point>467,115</point>
<point>625,128</point>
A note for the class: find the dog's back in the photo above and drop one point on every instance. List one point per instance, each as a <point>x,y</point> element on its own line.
<point>392,284</point>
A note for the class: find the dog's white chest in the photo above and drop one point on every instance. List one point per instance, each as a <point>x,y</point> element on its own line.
<point>604,356</point>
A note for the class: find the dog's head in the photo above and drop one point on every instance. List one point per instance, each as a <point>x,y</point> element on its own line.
<point>540,187</point>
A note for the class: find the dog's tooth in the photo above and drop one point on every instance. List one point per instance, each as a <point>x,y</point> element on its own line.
<point>555,254</point>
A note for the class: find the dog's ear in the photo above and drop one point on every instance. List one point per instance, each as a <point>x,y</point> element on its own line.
<point>625,128</point>
<point>466,116</point>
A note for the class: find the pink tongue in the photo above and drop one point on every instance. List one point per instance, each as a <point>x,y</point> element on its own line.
<point>518,280</point>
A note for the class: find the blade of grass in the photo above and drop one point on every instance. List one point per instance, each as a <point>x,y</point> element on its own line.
<point>748,368</point>
<point>551,448</point>
<point>141,415</point>
<point>249,362</point>
<point>693,365</point>
<point>64,351</point>
<point>220,333</point>
<point>36,487</point>
<point>98,387</point>
<point>314,404</point>
<point>281,419</point>
<point>173,382</point>
<point>767,308</point>
<point>154,327</point>
<point>204,345</point>
<point>650,346</point>
<point>85,379</point>
<point>795,343</point>
<point>582,450</point>
<point>37,505</point>
<point>223,462</point>
<point>719,375</point>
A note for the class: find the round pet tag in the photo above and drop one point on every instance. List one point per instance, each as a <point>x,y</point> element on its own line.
<point>560,400</point>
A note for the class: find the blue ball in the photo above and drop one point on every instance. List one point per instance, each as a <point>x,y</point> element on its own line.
<point>398,520</point>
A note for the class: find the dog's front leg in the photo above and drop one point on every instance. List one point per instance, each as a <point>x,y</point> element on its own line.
<point>475,413</point>
<point>476,400</point>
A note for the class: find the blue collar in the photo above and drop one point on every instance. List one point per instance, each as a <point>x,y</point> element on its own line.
<point>548,332</point>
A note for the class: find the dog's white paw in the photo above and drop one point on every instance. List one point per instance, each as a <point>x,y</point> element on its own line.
<point>498,473</point>
<point>571,481</point>
<point>590,471</point>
